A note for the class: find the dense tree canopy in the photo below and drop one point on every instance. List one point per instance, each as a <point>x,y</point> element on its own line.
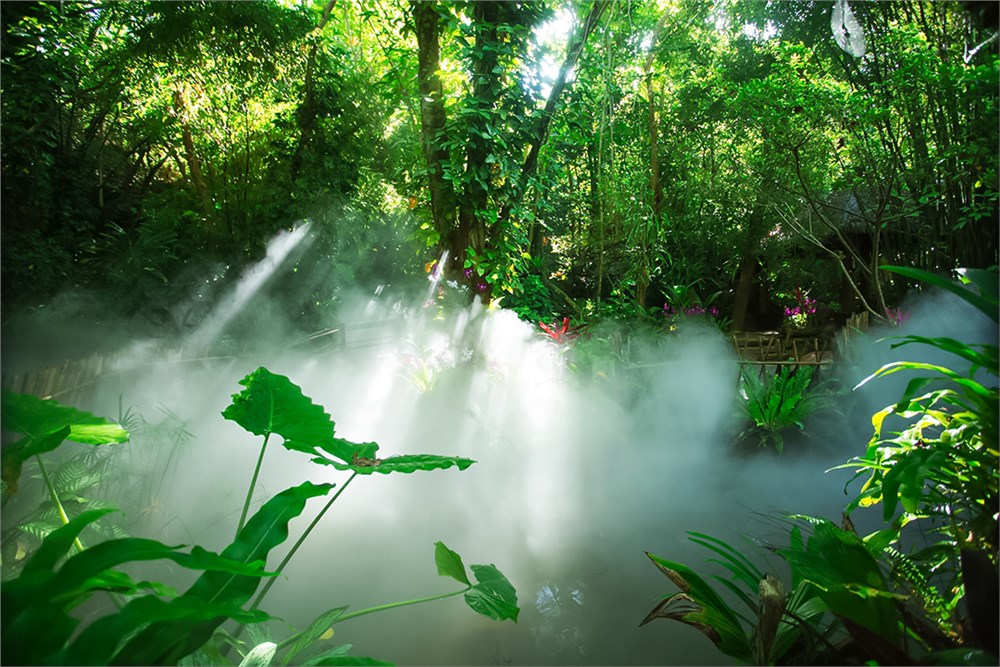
<point>576,158</point>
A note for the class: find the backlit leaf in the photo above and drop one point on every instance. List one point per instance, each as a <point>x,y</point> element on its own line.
<point>37,418</point>
<point>271,403</point>
<point>260,655</point>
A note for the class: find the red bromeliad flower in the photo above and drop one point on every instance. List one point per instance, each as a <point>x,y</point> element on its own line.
<point>562,334</point>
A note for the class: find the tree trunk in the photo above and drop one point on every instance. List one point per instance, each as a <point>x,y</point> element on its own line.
<point>194,162</point>
<point>485,93</point>
<point>306,116</point>
<point>432,119</point>
<point>573,52</point>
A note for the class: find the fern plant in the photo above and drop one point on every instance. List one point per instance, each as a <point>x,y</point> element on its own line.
<point>774,404</point>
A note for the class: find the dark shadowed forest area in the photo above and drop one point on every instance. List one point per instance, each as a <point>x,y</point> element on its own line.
<point>713,280</point>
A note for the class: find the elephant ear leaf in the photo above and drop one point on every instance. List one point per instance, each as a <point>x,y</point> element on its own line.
<point>492,595</point>
<point>271,403</point>
<point>168,641</point>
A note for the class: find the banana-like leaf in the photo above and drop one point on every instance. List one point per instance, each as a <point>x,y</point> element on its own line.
<point>59,541</point>
<point>121,583</point>
<point>99,641</point>
<point>272,403</point>
<point>492,595</point>
<point>449,564</point>
<point>316,629</point>
<point>164,642</point>
<point>405,463</point>
<point>33,625</point>
<point>106,555</point>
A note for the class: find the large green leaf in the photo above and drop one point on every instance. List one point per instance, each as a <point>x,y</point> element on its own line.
<point>406,463</point>
<point>847,576</point>
<point>46,424</point>
<point>112,553</point>
<point>97,642</point>
<point>58,542</point>
<point>449,564</point>
<point>37,418</point>
<point>32,625</point>
<point>272,403</point>
<point>493,595</point>
<point>168,642</point>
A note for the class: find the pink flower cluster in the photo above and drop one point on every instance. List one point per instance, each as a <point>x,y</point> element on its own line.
<point>696,309</point>
<point>806,307</point>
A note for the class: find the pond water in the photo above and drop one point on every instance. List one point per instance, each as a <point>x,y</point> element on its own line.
<point>577,474</point>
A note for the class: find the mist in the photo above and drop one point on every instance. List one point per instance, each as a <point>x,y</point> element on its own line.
<point>576,475</point>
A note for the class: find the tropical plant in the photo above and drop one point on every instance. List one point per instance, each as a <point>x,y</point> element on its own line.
<point>774,627</point>
<point>775,403</point>
<point>941,467</point>
<point>152,623</point>
<point>936,605</point>
<point>851,600</point>
<point>561,334</point>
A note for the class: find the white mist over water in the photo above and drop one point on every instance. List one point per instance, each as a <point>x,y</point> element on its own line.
<point>576,477</point>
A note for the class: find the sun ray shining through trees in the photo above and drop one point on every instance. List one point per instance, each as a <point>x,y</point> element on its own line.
<point>632,253</point>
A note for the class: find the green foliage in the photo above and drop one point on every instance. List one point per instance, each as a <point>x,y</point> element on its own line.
<point>773,628</point>
<point>532,302</point>
<point>155,625</point>
<point>775,403</point>
<point>939,473</point>
<point>942,466</point>
<point>37,626</point>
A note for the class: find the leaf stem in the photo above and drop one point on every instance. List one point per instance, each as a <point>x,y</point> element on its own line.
<point>281,566</point>
<point>55,499</point>
<point>253,483</point>
<point>305,534</point>
<point>394,605</point>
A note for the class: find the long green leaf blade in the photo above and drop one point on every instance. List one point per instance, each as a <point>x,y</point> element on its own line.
<point>169,642</point>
